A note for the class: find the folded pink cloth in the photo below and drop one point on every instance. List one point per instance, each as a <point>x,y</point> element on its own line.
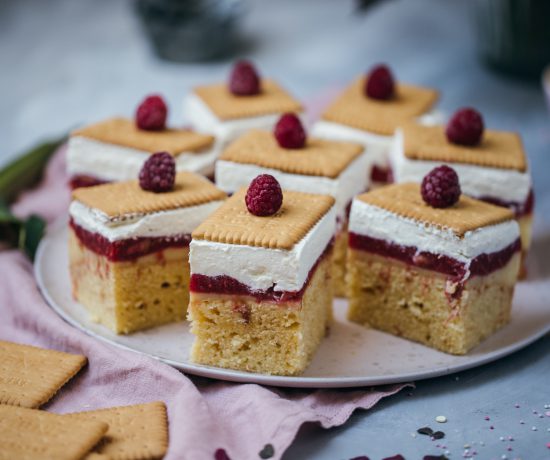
<point>204,415</point>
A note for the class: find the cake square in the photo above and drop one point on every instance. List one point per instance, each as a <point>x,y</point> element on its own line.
<point>214,109</point>
<point>128,249</point>
<point>495,171</point>
<point>115,149</point>
<point>355,117</point>
<point>441,277</point>
<point>335,168</point>
<point>261,295</point>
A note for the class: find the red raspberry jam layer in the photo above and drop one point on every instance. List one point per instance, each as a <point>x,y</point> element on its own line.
<point>381,174</point>
<point>129,249</point>
<point>227,285</point>
<point>481,265</point>
<point>85,181</point>
<point>519,209</point>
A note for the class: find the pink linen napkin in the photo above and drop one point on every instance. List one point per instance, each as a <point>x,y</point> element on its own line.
<point>204,415</point>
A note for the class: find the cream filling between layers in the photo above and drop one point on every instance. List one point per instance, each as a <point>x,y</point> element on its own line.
<point>202,119</point>
<point>156,224</point>
<point>112,162</point>
<point>475,181</point>
<point>231,176</point>
<point>263,268</point>
<point>377,145</point>
<point>375,222</point>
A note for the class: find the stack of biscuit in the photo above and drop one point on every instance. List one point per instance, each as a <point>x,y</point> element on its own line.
<point>30,377</point>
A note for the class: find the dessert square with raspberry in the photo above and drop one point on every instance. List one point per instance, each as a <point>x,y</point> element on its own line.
<point>369,110</point>
<point>129,247</point>
<point>246,101</point>
<point>115,150</point>
<point>495,169</point>
<point>431,265</point>
<point>322,166</point>
<point>261,296</point>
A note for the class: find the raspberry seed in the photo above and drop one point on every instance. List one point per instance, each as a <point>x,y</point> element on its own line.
<point>264,196</point>
<point>441,187</point>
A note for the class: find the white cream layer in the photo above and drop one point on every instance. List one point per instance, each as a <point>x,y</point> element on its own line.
<point>112,162</point>
<point>202,119</point>
<point>377,145</point>
<point>475,181</point>
<point>231,176</point>
<point>157,224</point>
<point>369,220</point>
<point>261,268</point>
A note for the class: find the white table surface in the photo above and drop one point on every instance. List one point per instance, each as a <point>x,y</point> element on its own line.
<point>67,62</point>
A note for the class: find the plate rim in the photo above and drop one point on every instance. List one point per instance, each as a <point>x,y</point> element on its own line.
<point>264,379</point>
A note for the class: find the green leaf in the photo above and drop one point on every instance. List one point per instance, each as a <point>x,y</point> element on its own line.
<point>30,235</point>
<point>6,217</point>
<point>25,170</point>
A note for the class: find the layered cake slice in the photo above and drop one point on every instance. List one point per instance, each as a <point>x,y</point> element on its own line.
<point>246,102</point>
<point>370,110</point>
<point>261,291</point>
<point>129,246</point>
<point>115,149</point>
<point>443,276</point>
<point>491,165</point>
<point>301,164</point>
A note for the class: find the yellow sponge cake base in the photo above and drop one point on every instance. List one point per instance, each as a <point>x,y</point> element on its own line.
<point>240,332</point>
<point>129,296</point>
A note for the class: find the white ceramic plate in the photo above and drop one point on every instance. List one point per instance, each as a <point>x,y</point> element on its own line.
<point>350,356</point>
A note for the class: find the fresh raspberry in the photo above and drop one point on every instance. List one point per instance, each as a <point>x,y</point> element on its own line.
<point>289,132</point>
<point>264,196</point>
<point>151,114</point>
<point>379,83</point>
<point>244,79</point>
<point>440,187</point>
<point>466,127</point>
<point>158,173</point>
<point>221,454</point>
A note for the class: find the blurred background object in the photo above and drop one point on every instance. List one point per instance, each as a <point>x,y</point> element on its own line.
<point>513,35</point>
<point>192,30</point>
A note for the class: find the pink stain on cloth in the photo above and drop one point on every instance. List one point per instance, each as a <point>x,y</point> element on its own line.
<point>204,415</point>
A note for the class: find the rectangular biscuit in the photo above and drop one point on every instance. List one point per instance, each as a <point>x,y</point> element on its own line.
<point>123,132</point>
<point>272,99</point>
<point>119,199</point>
<point>353,108</point>
<point>319,157</point>
<point>406,201</point>
<point>30,434</point>
<point>232,223</point>
<point>498,149</point>
<point>138,432</point>
<point>31,376</point>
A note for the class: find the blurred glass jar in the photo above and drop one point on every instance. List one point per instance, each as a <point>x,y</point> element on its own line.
<point>192,30</point>
<point>514,35</point>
